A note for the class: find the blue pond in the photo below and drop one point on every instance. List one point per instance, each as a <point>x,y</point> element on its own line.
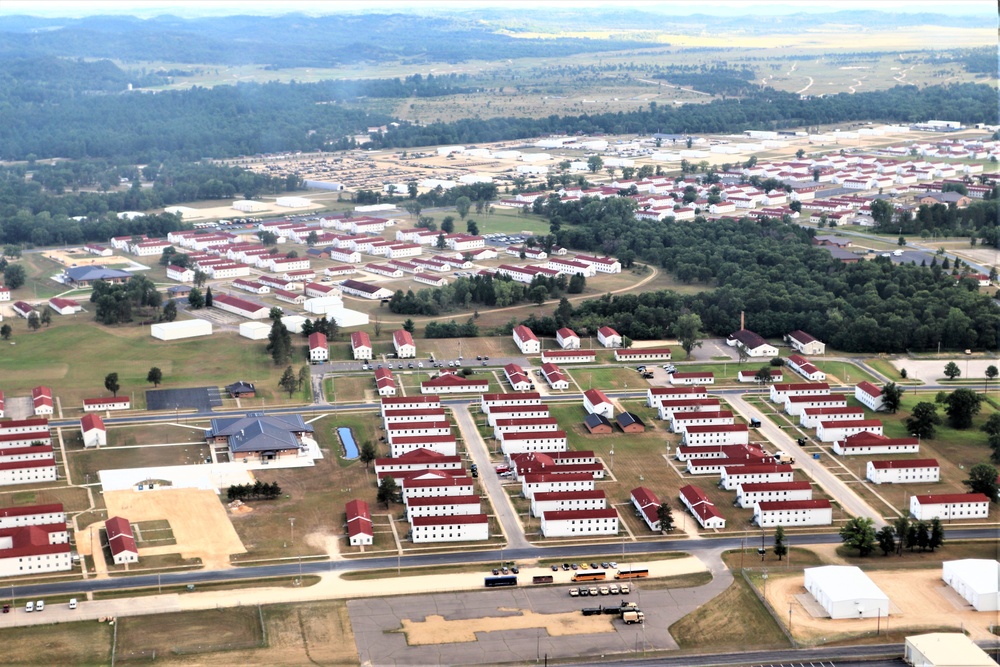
<point>347,437</point>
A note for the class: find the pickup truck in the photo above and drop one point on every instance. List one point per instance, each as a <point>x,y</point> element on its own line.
<point>782,457</point>
<point>633,617</point>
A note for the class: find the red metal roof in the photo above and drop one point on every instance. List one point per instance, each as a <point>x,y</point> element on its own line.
<point>411,426</point>
<point>869,389</point>
<point>716,428</point>
<point>448,520</point>
<point>107,399</point>
<point>853,423</point>
<point>699,502</point>
<point>566,515</point>
<point>393,400</point>
<point>527,435</point>
<point>596,397</point>
<point>948,498</point>
<point>33,509</point>
<point>317,340</point>
<point>443,500</point>
<point>30,463</point>
<point>524,334</point>
<point>452,380</point>
<point>822,398</point>
<point>758,487</point>
<point>402,337</point>
<point>798,386</point>
<point>757,469</point>
<point>911,463</point>
<point>718,414</point>
<point>542,478</point>
<point>91,422</point>
<point>777,505</point>
<point>526,396</point>
<point>570,495</point>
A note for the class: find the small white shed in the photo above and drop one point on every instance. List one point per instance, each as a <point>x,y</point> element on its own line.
<point>181,329</point>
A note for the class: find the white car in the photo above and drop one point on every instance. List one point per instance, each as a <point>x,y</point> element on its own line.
<point>40,605</point>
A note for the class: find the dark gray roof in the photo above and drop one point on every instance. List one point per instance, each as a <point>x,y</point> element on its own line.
<point>240,387</point>
<point>259,433</point>
<point>749,338</point>
<point>594,420</point>
<point>627,419</point>
<point>80,273</point>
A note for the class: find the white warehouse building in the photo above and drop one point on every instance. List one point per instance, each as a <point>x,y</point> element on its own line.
<point>976,580</point>
<point>181,329</point>
<point>844,591</point>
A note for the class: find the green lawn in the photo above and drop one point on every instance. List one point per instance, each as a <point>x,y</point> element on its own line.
<point>886,368</point>
<point>505,221</point>
<point>607,379</point>
<point>78,354</point>
<point>735,620</point>
<point>844,371</point>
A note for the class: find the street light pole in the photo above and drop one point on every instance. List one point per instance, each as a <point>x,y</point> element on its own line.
<point>291,521</point>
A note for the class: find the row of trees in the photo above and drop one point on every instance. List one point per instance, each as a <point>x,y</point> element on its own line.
<point>489,291</point>
<point>859,533</point>
<point>257,491</point>
<point>115,302</point>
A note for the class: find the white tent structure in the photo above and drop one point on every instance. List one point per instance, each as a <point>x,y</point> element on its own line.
<point>844,591</point>
<point>975,579</point>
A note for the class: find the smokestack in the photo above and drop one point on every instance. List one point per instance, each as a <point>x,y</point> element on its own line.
<point>742,321</point>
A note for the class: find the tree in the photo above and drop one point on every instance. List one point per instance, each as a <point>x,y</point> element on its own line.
<point>303,376</point>
<point>386,490</point>
<point>665,516</point>
<point>992,425</point>
<point>448,225</point>
<point>208,297</point>
<point>577,283</point>
<point>368,452</point>
<point>34,322</point>
<point>952,371</point>
<point>377,325</point>
<point>279,343</point>
<point>882,211</point>
<point>595,163</point>
<point>195,299</point>
<point>409,326</point>
<point>923,535</point>
<point>275,313</point>
<point>991,374</point>
<point>472,227</point>
<point>154,376</point>
<point>14,276</point>
<point>983,479</point>
<point>937,534</point>
<point>169,313</point>
<point>922,420</point>
<point>312,238</point>
<point>994,443</point>
<point>780,548</point>
<point>288,381</point>
<point>462,206</point>
<point>763,376</point>
<point>46,318</point>
<point>5,331</point>
<point>892,396</point>
<point>539,294</point>
<point>267,238</point>
<point>859,533</point>
<point>886,540</point>
<point>901,526</point>
<point>200,278</point>
<point>111,383</point>
<point>962,405</point>
<point>441,244</point>
<point>687,328</point>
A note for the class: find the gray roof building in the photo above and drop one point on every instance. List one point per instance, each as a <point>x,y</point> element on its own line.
<point>89,274</point>
<point>259,433</point>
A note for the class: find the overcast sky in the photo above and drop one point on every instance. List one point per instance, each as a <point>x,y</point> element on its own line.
<point>193,8</point>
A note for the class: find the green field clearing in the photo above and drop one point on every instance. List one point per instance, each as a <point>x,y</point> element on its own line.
<point>73,499</point>
<point>130,351</point>
<point>886,368</point>
<point>188,633</point>
<point>845,372</point>
<point>735,620</point>
<point>89,462</point>
<point>129,436</point>
<point>349,388</point>
<point>607,379</point>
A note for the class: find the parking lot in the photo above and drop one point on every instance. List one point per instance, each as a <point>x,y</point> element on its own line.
<point>518,624</point>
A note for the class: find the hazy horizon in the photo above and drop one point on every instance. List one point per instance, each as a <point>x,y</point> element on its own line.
<point>217,8</point>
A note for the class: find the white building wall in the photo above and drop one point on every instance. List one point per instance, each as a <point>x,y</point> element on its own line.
<point>459,532</point>
<point>579,527</point>
<point>820,516</point>
<point>28,475</point>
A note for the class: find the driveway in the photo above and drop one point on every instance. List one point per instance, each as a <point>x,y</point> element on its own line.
<point>480,454</point>
<point>849,500</point>
<point>931,371</point>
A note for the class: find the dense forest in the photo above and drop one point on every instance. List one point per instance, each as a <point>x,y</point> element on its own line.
<point>764,109</point>
<point>718,79</point>
<point>772,271</point>
<point>46,119</point>
<point>293,40</point>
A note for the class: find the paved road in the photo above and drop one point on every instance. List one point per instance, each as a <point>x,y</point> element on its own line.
<point>479,451</point>
<point>849,500</point>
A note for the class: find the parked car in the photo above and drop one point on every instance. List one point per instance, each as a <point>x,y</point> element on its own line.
<point>613,564</point>
<point>604,590</point>
<point>605,565</point>
<point>624,589</point>
<point>29,606</point>
<point>614,589</point>
<point>565,566</point>
<point>573,592</point>
<point>594,566</point>
<point>514,569</point>
<point>505,570</point>
<point>594,591</point>
<point>6,609</point>
<point>575,566</point>
<point>479,357</point>
<point>40,605</point>
<point>555,568</point>
<point>495,572</point>
<point>420,364</point>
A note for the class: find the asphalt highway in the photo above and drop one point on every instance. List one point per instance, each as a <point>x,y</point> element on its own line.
<point>569,553</point>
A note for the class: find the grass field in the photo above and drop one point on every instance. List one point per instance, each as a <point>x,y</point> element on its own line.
<point>845,372</point>
<point>886,368</point>
<point>82,463</point>
<point>606,378</point>
<point>348,388</point>
<point>735,620</point>
<point>142,638</point>
<point>211,361</point>
<point>67,644</point>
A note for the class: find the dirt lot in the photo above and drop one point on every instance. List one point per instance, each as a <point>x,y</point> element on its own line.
<point>436,630</point>
<point>922,598</point>
<point>199,522</point>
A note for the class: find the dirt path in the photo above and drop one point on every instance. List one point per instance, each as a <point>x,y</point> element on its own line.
<point>436,630</point>
<point>199,522</point>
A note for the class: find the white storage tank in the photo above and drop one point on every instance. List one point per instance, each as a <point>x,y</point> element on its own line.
<point>182,329</point>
